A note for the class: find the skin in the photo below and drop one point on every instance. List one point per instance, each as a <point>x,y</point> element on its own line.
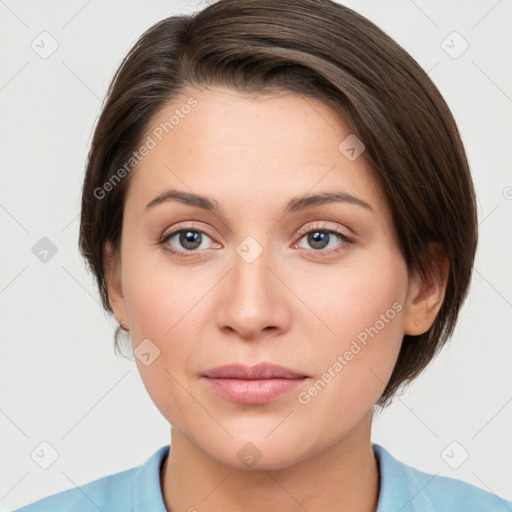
<point>290,306</point>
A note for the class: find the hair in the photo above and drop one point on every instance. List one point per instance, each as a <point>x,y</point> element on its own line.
<point>323,50</point>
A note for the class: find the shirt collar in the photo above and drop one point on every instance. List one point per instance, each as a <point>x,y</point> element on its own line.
<point>396,489</point>
<point>147,493</point>
<point>401,484</point>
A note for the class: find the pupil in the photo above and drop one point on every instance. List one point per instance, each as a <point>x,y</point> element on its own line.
<point>318,239</point>
<point>190,239</point>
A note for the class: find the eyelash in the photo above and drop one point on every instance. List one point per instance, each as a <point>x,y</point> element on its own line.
<point>346,241</point>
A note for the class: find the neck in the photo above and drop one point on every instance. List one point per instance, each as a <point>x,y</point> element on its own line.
<point>343,477</point>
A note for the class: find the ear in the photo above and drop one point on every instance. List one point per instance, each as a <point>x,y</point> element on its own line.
<point>112,265</point>
<point>425,296</point>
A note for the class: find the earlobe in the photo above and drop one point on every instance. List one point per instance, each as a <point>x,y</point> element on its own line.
<point>426,296</point>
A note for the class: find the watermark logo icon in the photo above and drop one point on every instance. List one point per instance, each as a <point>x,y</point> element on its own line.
<point>249,454</point>
<point>44,455</point>
<point>351,147</point>
<point>45,45</point>
<point>454,455</point>
<point>44,250</point>
<point>146,352</point>
<point>249,249</point>
<point>454,45</point>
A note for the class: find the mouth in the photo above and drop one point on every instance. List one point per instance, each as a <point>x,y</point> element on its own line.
<point>257,384</point>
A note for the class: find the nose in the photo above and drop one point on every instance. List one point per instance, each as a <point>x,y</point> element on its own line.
<point>252,300</point>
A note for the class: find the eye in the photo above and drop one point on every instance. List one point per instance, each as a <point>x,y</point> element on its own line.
<point>323,241</point>
<point>187,239</point>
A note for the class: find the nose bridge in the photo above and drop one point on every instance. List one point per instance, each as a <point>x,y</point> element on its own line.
<point>251,300</point>
<point>251,276</point>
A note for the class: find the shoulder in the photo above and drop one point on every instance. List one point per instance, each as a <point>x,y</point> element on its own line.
<point>112,493</point>
<point>413,490</point>
<point>109,493</point>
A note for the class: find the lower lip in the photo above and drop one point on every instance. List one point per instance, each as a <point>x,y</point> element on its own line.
<point>253,391</point>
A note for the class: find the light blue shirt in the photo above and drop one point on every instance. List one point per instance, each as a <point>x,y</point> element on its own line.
<point>403,488</point>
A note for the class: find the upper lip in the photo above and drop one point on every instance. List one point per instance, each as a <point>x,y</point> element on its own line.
<point>258,371</point>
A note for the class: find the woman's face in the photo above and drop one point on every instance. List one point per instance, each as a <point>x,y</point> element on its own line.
<point>260,279</point>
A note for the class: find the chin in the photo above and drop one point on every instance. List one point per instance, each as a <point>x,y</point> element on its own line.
<point>257,452</point>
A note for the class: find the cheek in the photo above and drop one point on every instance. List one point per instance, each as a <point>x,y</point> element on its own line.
<point>169,304</point>
<point>160,309</point>
<point>364,308</point>
<point>359,292</point>
<point>161,297</point>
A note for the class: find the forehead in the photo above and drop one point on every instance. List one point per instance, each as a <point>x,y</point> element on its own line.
<point>248,147</point>
<point>231,119</point>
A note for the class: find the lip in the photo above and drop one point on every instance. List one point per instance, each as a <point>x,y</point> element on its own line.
<point>258,371</point>
<point>256,384</point>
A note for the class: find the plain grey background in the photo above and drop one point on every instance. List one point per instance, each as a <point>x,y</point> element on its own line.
<point>60,380</point>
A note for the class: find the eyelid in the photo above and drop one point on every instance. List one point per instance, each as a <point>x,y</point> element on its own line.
<point>326,226</point>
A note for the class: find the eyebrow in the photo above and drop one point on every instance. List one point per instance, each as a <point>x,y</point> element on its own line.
<point>295,204</point>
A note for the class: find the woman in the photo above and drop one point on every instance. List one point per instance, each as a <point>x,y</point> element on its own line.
<point>278,209</point>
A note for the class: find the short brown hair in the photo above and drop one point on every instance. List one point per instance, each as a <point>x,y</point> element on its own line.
<point>324,50</point>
